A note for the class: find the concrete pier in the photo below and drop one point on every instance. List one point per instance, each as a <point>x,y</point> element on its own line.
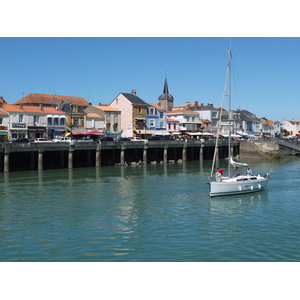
<point>30,156</point>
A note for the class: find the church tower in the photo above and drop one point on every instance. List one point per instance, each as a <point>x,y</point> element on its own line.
<point>165,99</point>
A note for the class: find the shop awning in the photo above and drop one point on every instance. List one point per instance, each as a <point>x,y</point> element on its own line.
<point>88,133</point>
<point>199,133</point>
<point>94,133</point>
<point>3,132</point>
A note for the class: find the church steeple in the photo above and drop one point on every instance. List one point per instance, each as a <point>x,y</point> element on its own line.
<point>165,99</point>
<point>166,90</point>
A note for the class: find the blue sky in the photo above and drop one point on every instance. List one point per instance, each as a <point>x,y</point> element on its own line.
<point>265,79</point>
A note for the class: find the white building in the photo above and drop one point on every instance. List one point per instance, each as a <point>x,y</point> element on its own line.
<point>189,121</point>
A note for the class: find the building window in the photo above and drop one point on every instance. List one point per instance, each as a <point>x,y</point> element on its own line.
<point>214,114</point>
<point>116,118</point>
<point>161,125</point>
<point>21,118</point>
<point>55,122</point>
<point>49,121</point>
<point>62,122</point>
<point>161,114</point>
<point>1,120</point>
<point>151,123</point>
<point>107,117</point>
<point>75,122</point>
<point>35,120</point>
<point>151,111</point>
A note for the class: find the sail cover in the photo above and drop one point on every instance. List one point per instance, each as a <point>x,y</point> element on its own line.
<point>237,164</point>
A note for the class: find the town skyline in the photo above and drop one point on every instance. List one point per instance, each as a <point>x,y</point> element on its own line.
<point>265,70</point>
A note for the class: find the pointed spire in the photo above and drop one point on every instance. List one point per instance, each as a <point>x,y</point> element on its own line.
<point>166,90</point>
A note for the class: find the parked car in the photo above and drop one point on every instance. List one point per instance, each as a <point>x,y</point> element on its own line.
<point>62,139</point>
<point>20,140</point>
<point>85,139</point>
<point>105,139</point>
<point>123,139</point>
<point>41,140</point>
<point>137,139</point>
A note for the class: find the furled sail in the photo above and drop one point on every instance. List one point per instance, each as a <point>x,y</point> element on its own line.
<point>237,164</point>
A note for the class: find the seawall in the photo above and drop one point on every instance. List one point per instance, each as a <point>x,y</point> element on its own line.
<point>260,149</point>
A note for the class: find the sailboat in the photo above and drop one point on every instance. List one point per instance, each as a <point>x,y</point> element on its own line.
<point>233,184</point>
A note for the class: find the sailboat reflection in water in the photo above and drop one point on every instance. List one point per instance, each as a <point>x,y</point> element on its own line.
<point>233,184</point>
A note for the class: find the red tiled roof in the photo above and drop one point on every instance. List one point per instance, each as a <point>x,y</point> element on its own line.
<point>45,110</point>
<point>269,122</point>
<point>51,99</point>
<point>156,106</point>
<point>106,108</point>
<point>172,120</point>
<point>32,109</point>
<point>2,113</point>
<point>11,108</point>
<point>93,115</point>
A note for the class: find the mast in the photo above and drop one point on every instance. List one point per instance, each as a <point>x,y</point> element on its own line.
<point>229,111</point>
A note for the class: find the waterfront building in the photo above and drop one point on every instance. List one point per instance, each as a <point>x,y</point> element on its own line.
<point>156,119</point>
<point>71,106</point>
<point>166,100</point>
<point>206,112</point>
<point>105,119</point>
<point>133,113</point>
<point>267,128</point>
<point>75,117</point>
<point>246,123</point>
<point>291,127</point>
<point>278,129</point>
<point>189,121</point>
<point>4,123</point>
<point>173,126</point>
<point>33,121</point>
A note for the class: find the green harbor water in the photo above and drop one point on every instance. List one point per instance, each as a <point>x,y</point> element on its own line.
<point>152,213</point>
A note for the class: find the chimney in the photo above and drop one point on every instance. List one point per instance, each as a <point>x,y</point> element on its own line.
<point>201,106</point>
<point>21,106</point>
<point>196,105</point>
<point>41,107</point>
<point>133,92</point>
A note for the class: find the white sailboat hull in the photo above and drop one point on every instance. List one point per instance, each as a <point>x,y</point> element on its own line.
<point>237,185</point>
